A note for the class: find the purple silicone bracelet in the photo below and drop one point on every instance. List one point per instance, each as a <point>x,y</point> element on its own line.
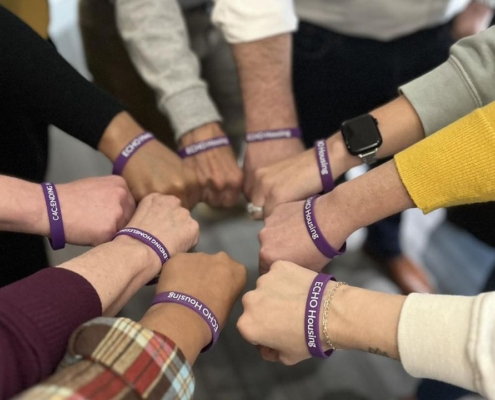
<point>195,305</point>
<point>261,136</point>
<point>324,166</point>
<point>57,233</point>
<point>150,240</point>
<point>129,150</point>
<point>315,233</point>
<point>205,145</point>
<point>312,316</point>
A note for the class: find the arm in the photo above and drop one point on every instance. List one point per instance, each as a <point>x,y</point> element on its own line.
<point>38,79</point>
<point>167,340</point>
<point>265,70</point>
<point>92,209</point>
<point>38,314</point>
<point>449,168</point>
<point>473,20</point>
<point>34,76</point>
<point>447,338</point>
<point>426,105</point>
<point>157,41</point>
<point>163,58</point>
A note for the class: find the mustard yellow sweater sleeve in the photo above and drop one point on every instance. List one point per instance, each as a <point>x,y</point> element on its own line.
<point>454,166</point>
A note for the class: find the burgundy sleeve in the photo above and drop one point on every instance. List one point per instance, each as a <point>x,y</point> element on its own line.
<point>37,316</point>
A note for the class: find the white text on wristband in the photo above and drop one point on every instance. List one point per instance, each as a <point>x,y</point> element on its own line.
<point>129,150</point>
<point>261,136</point>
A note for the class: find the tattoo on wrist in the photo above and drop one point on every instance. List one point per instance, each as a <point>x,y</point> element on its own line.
<point>378,352</point>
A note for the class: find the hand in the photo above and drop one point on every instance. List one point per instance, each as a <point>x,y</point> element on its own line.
<point>93,209</point>
<point>163,217</point>
<point>215,280</point>
<point>474,19</point>
<point>154,168</point>
<point>263,154</point>
<point>274,313</point>
<point>216,170</point>
<point>285,236</point>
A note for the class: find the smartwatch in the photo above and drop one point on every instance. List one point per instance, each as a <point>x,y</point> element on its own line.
<point>362,137</point>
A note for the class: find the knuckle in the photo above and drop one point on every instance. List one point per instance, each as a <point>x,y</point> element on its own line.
<point>286,360</point>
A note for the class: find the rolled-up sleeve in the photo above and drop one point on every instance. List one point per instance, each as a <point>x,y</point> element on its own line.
<point>247,21</point>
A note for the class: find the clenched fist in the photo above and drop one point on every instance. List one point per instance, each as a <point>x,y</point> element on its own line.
<point>93,209</point>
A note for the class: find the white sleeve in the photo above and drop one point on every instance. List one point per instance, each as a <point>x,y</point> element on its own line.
<point>250,20</point>
<point>451,339</point>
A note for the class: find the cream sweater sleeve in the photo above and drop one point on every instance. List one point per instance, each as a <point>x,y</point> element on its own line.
<point>450,338</point>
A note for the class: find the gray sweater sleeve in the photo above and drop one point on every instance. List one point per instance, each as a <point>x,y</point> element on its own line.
<point>157,41</point>
<point>466,81</point>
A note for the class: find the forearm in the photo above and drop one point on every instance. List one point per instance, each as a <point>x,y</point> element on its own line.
<point>264,70</point>
<point>399,125</point>
<point>36,78</point>
<point>181,325</point>
<point>362,201</point>
<point>116,270</point>
<point>364,320</point>
<point>161,53</point>
<point>22,207</point>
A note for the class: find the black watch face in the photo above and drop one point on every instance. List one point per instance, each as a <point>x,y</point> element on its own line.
<point>361,135</point>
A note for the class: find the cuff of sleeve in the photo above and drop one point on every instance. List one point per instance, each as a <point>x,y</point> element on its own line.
<point>441,97</point>
<point>433,336</point>
<point>53,303</point>
<point>453,166</point>
<point>242,21</point>
<point>147,361</point>
<point>189,110</point>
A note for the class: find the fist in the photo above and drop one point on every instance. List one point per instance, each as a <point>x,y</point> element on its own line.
<point>163,217</point>
<point>216,280</point>
<point>218,174</point>
<point>274,313</point>
<point>157,169</point>
<point>94,209</point>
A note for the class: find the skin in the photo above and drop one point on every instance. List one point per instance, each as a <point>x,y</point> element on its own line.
<point>119,268</point>
<point>359,319</point>
<point>265,69</point>
<point>474,19</point>
<point>298,177</point>
<point>339,213</point>
<point>153,168</point>
<point>217,172</point>
<point>216,280</point>
<point>93,209</point>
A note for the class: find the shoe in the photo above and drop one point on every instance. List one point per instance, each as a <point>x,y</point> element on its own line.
<point>405,273</point>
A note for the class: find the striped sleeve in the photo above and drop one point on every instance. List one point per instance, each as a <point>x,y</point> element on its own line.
<point>118,359</point>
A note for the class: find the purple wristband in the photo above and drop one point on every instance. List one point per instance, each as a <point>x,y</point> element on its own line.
<point>197,306</point>
<point>205,145</point>
<point>129,150</point>
<point>150,240</point>
<point>261,136</point>
<point>315,233</point>
<point>312,316</point>
<point>57,233</point>
<point>324,165</point>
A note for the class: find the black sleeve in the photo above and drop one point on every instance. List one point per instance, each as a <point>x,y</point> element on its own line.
<point>34,76</point>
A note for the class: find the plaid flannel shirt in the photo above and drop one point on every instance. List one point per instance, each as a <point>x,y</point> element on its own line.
<point>117,359</point>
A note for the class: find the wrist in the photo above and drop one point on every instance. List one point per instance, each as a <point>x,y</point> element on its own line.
<point>204,132</point>
<point>341,160</point>
<point>337,324</point>
<point>183,326</point>
<point>148,260</point>
<point>121,130</point>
